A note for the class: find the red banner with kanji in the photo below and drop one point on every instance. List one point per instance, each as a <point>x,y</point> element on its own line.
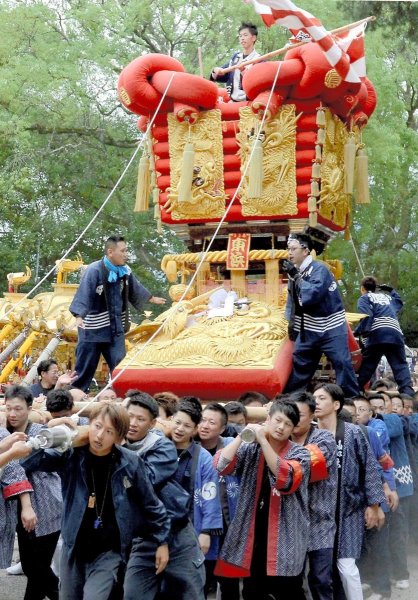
<point>238,251</point>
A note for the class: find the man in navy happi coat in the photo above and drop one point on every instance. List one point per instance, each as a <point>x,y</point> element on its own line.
<point>382,333</point>
<point>101,310</point>
<point>316,318</point>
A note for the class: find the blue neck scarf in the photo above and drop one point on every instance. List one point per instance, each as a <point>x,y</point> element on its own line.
<point>115,272</point>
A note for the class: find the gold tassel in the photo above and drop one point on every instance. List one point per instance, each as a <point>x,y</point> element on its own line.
<point>143,185</point>
<point>318,153</point>
<point>320,117</point>
<point>316,170</point>
<point>156,195</point>
<point>312,206</point>
<point>320,137</point>
<point>255,177</point>
<point>153,179</point>
<point>184,189</point>
<point>347,232</point>
<point>349,162</point>
<point>313,219</point>
<point>362,177</point>
<point>156,211</point>
<point>314,188</point>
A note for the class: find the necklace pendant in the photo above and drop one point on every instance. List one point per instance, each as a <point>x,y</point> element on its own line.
<point>261,504</point>
<point>98,523</point>
<point>92,501</point>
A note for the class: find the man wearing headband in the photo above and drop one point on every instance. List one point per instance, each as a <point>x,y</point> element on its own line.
<point>316,318</point>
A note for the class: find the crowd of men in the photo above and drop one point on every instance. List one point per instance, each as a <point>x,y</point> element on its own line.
<point>162,498</point>
<point>309,494</point>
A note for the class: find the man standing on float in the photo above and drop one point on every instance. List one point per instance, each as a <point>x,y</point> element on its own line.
<point>381,333</point>
<point>247,34</point>
<point>316,318</point>
<point>100,307</point>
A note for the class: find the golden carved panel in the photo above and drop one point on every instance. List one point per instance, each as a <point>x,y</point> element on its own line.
<point>334,203</point>
<point>249,340</point>
<point>279,163</point>
<point>207,199</point>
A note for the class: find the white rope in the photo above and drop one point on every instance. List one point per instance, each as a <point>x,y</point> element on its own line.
<point>357,257</point>
<point>199,264</point>
<point>93,219</point>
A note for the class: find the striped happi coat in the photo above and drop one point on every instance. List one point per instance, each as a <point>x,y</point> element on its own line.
<point>314,308</point>
<point>288,513</point>
<point>361,486</point>
<point>47,497</point>
<point>13,482</point>
<point>381,326</point>
<point>322,490</point>
<point>103,305</point>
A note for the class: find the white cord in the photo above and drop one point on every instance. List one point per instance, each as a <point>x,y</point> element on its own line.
<point>202,260</point>
<point>71,248</point>
<point>357,257</point>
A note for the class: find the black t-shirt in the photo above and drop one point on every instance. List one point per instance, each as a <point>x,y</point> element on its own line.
<point>99,531</point>
<point>259,559</point>
<point>37,390</point>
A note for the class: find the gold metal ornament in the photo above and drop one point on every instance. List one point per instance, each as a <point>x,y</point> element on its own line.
<point>124,96</point>
<point>335,203</point>
<point>278,138</point>
<point>332,79</point>
<point>207,195</point>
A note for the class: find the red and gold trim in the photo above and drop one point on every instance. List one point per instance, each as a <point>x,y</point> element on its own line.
<point>14,489</point>
<point>226,569</point>
<point>319,470</point>
<point>230,468</point>
<point>386,462</point>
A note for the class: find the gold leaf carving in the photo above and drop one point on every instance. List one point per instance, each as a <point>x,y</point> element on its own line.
<point>249,340</point>
<point>334,204</point>
<point>207,198</point>
<point>279,163</point>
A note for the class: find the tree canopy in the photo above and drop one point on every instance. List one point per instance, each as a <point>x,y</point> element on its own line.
<point>65,138</point>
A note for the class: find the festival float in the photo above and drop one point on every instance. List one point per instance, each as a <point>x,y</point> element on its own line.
<point>232,180</point>
<point>287,160</point>
<point>38,328</point>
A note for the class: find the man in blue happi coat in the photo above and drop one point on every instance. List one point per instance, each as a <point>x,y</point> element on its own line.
<point>316,318</point>
<point>100,307</point>
<point>382,333</point>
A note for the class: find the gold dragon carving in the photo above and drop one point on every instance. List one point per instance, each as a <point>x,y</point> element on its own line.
<point>334,203</point>
<point>247,339</point>
<point>279,162</point>
<point>207,199</point>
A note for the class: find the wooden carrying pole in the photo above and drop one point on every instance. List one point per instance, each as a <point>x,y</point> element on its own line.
<point>265,57</point>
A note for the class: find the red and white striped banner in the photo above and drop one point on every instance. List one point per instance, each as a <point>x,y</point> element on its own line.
<point>264,12</point>
<point>352,42</point>
<point>301,23</point>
